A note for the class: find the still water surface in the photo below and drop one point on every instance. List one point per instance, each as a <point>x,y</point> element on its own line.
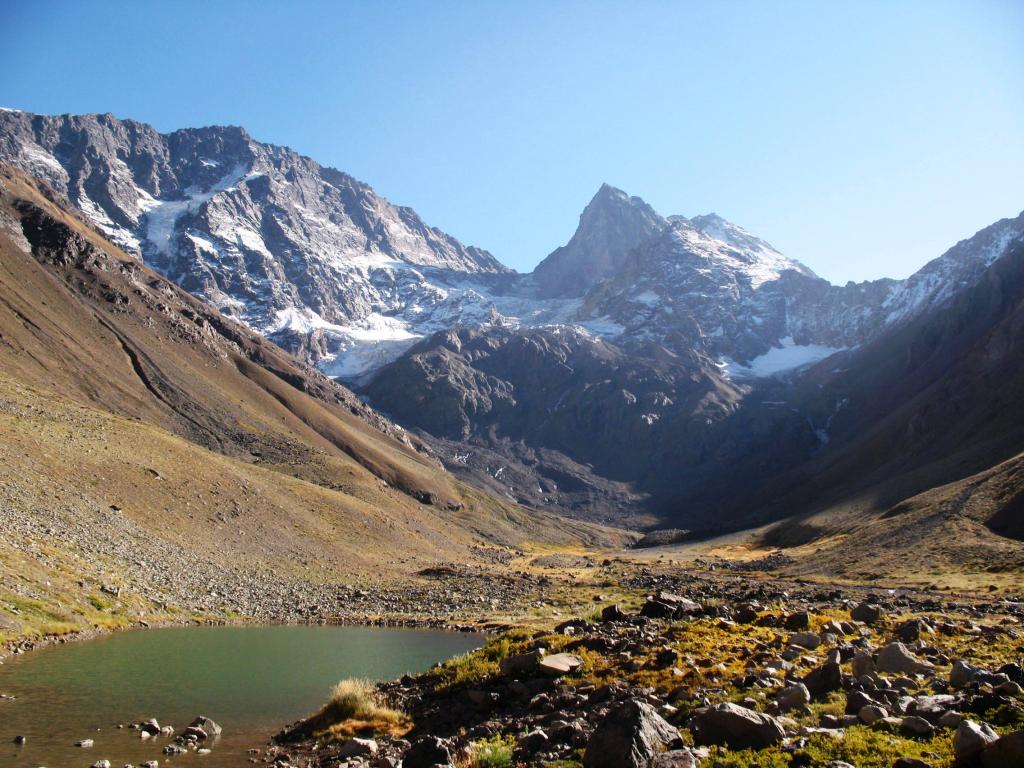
<point>251,680</point>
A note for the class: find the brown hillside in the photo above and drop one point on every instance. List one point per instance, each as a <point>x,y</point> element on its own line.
<point>138,425</point>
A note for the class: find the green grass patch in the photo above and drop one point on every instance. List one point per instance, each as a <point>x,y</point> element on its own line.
<point>495,752</point>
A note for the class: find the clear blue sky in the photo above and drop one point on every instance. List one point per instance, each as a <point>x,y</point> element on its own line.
<point>862,138</point>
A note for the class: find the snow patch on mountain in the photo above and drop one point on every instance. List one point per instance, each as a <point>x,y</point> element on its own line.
<point>758,263</point>
<point>161,216</point>
<point>788,356</point>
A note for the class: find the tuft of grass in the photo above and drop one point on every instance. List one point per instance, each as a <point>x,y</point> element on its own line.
<point>482,663</point>
<point>355,709</point>
<point>495,752</point>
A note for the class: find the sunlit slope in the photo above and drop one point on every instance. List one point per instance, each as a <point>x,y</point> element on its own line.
<point>139,426</point>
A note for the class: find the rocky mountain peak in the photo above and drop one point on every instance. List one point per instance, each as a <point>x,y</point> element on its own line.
<point>611,225</point>
<point>754,248</point>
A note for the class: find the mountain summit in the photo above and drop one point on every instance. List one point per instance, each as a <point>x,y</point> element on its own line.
<point>610,226</point>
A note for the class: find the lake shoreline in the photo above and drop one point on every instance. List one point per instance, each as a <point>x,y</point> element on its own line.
<point>26,644</point>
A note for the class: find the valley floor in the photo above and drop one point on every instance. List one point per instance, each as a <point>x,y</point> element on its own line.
<point>680,630</point>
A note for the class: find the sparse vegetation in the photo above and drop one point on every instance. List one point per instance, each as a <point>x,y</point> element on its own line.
<point>495,752</point>
<point>355,709</point>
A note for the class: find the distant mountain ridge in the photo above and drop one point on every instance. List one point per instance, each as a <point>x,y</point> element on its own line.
<point>340,276</point>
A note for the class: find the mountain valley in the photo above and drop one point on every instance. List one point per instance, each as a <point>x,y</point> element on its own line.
<point>682,479</point>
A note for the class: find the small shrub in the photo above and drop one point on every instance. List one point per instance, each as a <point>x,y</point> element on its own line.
<point>495,752</point>
<point>354,709</point>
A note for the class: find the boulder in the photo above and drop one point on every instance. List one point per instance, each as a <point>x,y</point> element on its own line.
<point>962,673</point>
<point>1005,752</point>
<point>358,748</point>
<point>932,708</point>
<point>655,609</point>
<point>683,606</point>
<point>612,613</point>
<point>206,724</point>
<point>427,752</point>
<point>532,742</point>
<point>912,725</point>
<point>809,640</point>
<point>736,727</point>
<point>855,700</point>
<point>666,657</point>
<point>862,664</point>
<point>746,613</point>
<point>910,631</point>
<point>825,679</point>
<point>866,612</point>
<point>793,697</point>
<point>559,664</point>
<point>676,758</point>
<point>872,713</point>
<point>970,739</point>
<point>949,719</point>
<point>895,657</point>
<point>665,605</point>
<point>629,737</point>
<point>799,620</point>
<point>151,726</point>
<point>521,663</point>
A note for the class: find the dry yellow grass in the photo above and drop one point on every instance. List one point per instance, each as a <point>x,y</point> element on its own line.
<point>355,709</point>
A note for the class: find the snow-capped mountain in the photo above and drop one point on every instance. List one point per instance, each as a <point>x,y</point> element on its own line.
<point>331,270</point>
<point>286,245</point>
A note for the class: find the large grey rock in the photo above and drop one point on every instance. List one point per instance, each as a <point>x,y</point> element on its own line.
<point>1006,752</point>
<point>871,713</point>
<point>558,664</point>
<point>427,752</point>
<point>962,673</point>
<point>895,657</point>
<point>971,738</point>
<point>629,737</point>
<point>809,640</point>
<point>793,697</point>
<point>869,613</point>
<point>207,725</point>
<point>824,679</point>
<point>736,727</point>
<point>676,758</point>
<point>862,664</point>
<point>521,663</point>
<point>913,725</point>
